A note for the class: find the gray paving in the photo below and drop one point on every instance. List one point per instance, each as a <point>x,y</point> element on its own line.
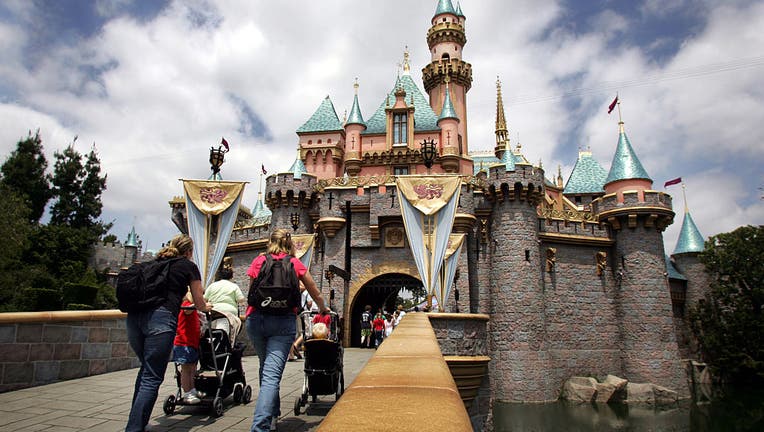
<point>101,403</point>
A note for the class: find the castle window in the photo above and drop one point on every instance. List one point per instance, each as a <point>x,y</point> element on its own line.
<point>400,128</point>
<point>310,142</point>
<point>445,57</point>
<point>578,199</point>
<point>400,170</point>
<point>329,141</point>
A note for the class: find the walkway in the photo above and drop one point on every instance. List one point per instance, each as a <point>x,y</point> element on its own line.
<point>101,403</point>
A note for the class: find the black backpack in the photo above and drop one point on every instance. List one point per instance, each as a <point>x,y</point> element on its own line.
<point>275,290</point>
<point>143,286</point>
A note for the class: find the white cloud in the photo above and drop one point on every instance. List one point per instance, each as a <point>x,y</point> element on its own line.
<point>164,97</point>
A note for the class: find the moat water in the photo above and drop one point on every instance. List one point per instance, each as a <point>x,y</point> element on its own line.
<point>738,411</point>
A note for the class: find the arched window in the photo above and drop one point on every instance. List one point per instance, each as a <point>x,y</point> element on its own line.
<point>445,57</point>
<point>310,142</point>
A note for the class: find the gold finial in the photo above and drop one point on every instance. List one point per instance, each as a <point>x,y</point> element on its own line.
<point>501,121</point>
<point>355,85</point>
<point>541,165</point>
<point>345,116</point>
<point>406,66</point>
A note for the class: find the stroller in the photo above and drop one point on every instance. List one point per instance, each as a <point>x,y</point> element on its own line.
<point>323,362</point>
<point>220,371</point>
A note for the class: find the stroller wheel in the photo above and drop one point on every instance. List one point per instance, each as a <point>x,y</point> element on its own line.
<point>238,393</point>
<point>247,394</point>
<point>297,404</point>
<point>217,407</point>
<point>169,405</point>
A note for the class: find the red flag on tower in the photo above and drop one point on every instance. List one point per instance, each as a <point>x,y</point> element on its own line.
<point>673,182</point>
<point>611,107</point>
<point>224,143</point>
<point>263,167</point>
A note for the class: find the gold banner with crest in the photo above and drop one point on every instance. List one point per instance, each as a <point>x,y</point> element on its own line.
<point>428,194</point>
<point>212,197</point>
<point>302,244</point>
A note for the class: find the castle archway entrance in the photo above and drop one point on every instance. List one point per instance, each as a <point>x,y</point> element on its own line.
<point>380,292</point>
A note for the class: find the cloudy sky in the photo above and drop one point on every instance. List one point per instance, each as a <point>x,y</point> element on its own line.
<point>154,84</point>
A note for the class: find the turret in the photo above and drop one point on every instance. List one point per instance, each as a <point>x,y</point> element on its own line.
<point>353,128</point>
<point>446,39</point>
<point>449,124</point>
<point>291,195</point>
<point>321,141</point>
<point>132,246</point>
<point>637,216</point>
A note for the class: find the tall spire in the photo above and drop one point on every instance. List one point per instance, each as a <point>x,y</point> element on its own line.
<point>501,121</point>
<point>355,112</point>
<point>132,239</point>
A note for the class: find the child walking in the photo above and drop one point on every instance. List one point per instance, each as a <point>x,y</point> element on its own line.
<point>186,349</point>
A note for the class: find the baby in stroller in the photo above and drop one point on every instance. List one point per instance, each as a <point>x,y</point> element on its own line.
<point>323,366</point>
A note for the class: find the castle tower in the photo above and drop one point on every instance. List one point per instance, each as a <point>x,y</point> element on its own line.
<point>502,134</point>
<point>290,196</point>
<point>449,130</point>
<point>637,216</point>
<point>353,128</point>
<point>132,246</point>
<point>685,259</point>
<point>446,39</point>
<point>515,292</point>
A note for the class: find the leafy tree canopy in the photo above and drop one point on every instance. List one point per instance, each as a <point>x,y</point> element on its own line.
<point>730,323</point>
<point>24,172</point>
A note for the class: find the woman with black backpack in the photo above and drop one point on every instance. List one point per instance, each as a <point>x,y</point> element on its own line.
<point>274,301</point>
<point>151,330</point>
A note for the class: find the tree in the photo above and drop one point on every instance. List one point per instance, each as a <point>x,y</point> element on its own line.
<point>729,323</point>
<point>14,233</point>
<point>24,173</point>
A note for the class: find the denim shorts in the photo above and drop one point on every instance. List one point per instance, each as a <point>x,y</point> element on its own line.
<point>185,354</point>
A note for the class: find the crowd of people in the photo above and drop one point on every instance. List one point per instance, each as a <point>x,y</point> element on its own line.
<point>376,328</point>
<point>176,324</point>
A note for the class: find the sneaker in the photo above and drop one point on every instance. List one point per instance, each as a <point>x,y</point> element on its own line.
<point>274,420</point>
<point>198,393</point>
<point>191,399</point>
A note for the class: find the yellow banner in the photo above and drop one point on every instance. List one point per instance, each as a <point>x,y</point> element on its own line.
<point>454,243</point>
<point>302,244</point>
<point>428,194</point>
<point>212,197</point>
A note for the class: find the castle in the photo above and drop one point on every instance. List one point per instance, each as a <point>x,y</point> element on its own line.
<point>572,275</point>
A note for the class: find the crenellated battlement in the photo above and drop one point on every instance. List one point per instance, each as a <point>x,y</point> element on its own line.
<point>526,183</point>
<point>648,208</point>
<point>284,190</point>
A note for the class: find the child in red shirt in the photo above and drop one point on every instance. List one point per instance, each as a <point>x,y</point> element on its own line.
<point>379,329</point>
<point>186,349</point>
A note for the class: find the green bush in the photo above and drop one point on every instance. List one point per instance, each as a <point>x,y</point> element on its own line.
<point>77,293</point>
<point>42,299</point>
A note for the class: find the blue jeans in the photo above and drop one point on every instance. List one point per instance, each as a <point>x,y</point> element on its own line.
<point>151,335</point>
<point>272,337</point>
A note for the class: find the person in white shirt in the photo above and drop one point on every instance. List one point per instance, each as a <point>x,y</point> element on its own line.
<point>399,314</point>
<point>226,297</point>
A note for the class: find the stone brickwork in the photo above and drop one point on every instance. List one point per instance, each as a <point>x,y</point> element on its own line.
<point>38,349</point>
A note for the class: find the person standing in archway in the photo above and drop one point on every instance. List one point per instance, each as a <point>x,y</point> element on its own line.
<point>366,327</point>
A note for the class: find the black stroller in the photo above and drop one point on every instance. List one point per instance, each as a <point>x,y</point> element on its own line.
<point>323,362</point>
<point>220,371</point>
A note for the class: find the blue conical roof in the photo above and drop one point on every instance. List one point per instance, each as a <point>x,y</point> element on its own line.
<point>261,214</point>
<point>132,239</point>
<point>690,239</point>
<point>673,273</point>
<point>448,110</point>
<point>459,11</point>
<point>445,6</point>
<point>626,164</point>
<point>355,114</point>
<point>297,168</point>
<point>587,177</point>
<point>323,120</point>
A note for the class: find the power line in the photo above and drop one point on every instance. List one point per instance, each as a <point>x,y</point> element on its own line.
<point>685,73</point>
